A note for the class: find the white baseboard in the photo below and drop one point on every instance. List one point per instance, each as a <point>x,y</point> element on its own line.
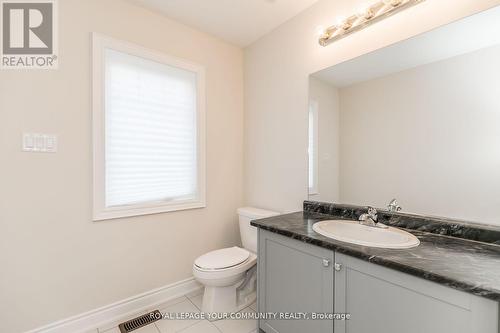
<point>122,309</point>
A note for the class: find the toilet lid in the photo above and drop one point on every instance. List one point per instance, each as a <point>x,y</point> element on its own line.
<point>223,258</point>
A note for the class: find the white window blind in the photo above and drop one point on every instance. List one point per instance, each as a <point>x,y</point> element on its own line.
<point>150,131</point>
<point>151,154</point>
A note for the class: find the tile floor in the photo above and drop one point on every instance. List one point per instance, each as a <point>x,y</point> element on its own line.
<point>189,303</point>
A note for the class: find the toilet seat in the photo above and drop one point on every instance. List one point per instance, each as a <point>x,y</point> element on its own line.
<point>225,274</point>
<point>222,259</point>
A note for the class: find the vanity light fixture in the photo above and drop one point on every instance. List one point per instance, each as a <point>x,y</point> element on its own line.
<point>364,17</point>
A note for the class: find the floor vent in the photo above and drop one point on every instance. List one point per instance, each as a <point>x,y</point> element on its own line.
<point>139,322</point>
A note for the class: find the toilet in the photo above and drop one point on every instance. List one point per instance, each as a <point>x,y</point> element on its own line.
<point>229,275</point>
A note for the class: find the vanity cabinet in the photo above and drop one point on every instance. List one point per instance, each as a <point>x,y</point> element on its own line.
<point>380,299</point>
<point>294,276</point>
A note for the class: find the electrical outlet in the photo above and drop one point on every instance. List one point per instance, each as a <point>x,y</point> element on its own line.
<point>41,143</point>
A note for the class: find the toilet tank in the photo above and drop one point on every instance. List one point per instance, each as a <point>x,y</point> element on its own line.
<point>248,233</point>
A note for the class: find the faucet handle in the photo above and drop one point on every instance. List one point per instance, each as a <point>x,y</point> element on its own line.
<point>393,206</point>
<point>369,218</point>
<point>372,212</point>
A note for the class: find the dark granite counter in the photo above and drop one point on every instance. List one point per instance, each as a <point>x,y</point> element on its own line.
<point>459,263</point>
<point>437,225</point>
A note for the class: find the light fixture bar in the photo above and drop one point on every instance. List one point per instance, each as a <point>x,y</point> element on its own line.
<point>365,17</point>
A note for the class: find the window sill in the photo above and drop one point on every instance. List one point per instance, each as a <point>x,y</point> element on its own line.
<point>144,209</point>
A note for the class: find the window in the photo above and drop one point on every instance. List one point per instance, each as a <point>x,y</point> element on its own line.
<point>149,125</point>
<point>313,147</point>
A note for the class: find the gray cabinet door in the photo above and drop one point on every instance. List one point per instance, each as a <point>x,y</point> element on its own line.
<point>294,277</point>
<point>381,300</point>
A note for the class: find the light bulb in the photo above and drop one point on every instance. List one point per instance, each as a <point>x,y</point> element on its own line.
<point>393,3</point>
<point>365,12</point>
<point>320,31</point>
<point>343,24</point>
<point>340,22</point>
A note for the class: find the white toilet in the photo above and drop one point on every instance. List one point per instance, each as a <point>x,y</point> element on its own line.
<point>229,275</point>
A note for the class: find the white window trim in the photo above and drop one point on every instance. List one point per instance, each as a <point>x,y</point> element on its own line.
<point>313,108</point>
<point>100,211</point>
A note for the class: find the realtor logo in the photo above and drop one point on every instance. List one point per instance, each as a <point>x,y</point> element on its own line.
<point>28,34</point>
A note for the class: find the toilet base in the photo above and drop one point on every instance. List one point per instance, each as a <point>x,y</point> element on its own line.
<point>231,298</point>
<point>225,300</point>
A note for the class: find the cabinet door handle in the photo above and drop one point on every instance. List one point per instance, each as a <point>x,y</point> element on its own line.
<point>326,262</point>
<point>338,266</point>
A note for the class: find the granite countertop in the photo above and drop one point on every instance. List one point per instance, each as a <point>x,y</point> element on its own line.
<point>462,264</point>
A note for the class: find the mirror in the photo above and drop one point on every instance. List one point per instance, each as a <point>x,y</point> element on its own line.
<point>418,121</point>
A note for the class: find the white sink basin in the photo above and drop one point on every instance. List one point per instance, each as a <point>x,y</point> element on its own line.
<point>355,233</point>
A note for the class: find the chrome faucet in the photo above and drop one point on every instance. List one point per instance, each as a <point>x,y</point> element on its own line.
<point>393,206</point>
<point>370,219</point>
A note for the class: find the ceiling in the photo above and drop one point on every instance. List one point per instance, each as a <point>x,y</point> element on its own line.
<point>240,22</point>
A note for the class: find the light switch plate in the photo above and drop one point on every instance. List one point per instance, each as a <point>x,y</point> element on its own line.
<point>50,143</point>
<point>42,143</point>
<point>28,142</point>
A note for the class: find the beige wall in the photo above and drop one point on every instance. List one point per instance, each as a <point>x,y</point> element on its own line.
<point>276,88</point>
<point>327,99</point>
<point>428,136</point>
<point>55,262</point>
